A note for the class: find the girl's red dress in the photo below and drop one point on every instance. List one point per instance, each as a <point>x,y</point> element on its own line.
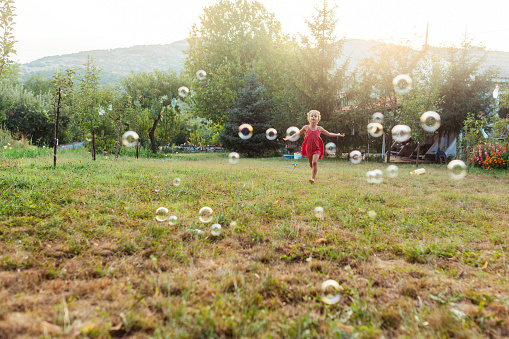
<point>312,144</point>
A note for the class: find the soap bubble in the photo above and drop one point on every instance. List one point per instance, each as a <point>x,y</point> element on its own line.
<point>430,121</point>
<point>374,176</point>
<point>215,229</point>
<point>355,157</point>
<point>318,212</point>
<point>377,117</point>
<point>401,133</point>
<point>392,171</point>
<point>271,134</point>
<point>201,74</point>
<point>375,129</point>
<point>183,91</point>
<point>372,214</point>
<point>233,158</point>
<point>176,182</point>
<point>330,148</point>
<point>330,292</point>
<point>130,138</point>
<point>88,137</point>
<point>291,131</point>
<point>205,214</point>
<point>457,169</point>
<point>161,214</point>
<point>402,84</point>
<point>157,189</point>
<point>245,131</point>
<point>172,220</point>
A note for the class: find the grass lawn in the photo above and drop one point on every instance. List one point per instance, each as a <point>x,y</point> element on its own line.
<point>81,253</point>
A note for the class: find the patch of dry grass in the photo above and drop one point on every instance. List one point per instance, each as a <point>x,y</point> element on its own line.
<point>82,255</point>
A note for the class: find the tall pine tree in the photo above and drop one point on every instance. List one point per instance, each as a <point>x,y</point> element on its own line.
<point>251,108</point>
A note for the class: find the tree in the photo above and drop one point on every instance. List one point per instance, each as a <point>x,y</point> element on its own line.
<point>152,92</point>
<point>87,99</point>
<point>25,113</point>
<point>249,108</point>
<point>319,79</point>
<point>64,80</point>
<point>38,84</point>
<point>468,88</point>
<point>233,38</point>
<point>373,91</point>
<point>7,40</point>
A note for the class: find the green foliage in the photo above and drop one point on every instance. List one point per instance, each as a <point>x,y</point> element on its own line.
<point>7,40</point>
<point>72,128</point>
<point>427,82</point>
<point>38,84</point>
<point>249,108</point>
<point>318,77</point>
<point>25,113</point>
<point>151,93</point>
<point>232,38</point>
<point>467,89</point>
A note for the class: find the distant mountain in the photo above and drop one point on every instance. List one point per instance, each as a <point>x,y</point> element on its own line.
<point>116,63</point>
<point>119,62</point>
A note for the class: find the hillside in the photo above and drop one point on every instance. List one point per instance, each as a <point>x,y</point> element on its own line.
<point>118,62</point>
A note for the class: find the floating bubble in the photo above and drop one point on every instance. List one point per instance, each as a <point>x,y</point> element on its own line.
<point>495,93</point>
<point>372,214</point>
<point>430,121</point>
<point>355,157</point>
<point>318,212</point>
<point>233,158</point>
<point>377,117</point>
<point>101,111</point>
<point>292,131</point>
<point>401,133</point>
<point>402,84</point>
<point>271,133</point>
<point>88,137</point>
<point>172,220</point>
<point>157,189</point>
<point>161,214</point>
<point>201,74</point>
<point>176,182</point>
<point>245,131</point>
<point>330,292</point>
<point>205,214</point>
<point>375,129</point>
<point>183,91</point>
<point>374,176</point>
<point>392,171</point>
<point>457,169</point>
<point>215,230</point>
<point>233,224</point>
<point>130,138</point>
<point>330,148</point>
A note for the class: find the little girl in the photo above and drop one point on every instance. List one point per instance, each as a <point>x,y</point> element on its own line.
<point>312,148</point>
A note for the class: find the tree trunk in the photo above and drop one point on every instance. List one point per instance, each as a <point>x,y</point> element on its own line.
<point>151,134</point>
<point>147,148</point>
<point>93,143</point>
<point>56,129</point>
<point>388,149</point>
<point>418,151</point>
<point>118,138</point>
<point>137,147</point>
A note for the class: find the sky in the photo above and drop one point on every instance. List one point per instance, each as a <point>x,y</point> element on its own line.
<point>56,27</point>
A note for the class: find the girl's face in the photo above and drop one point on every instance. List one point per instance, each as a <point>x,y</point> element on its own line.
<point>313,118</point>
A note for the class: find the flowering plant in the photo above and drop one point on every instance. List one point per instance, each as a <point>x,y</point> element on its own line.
<point>483,151</point>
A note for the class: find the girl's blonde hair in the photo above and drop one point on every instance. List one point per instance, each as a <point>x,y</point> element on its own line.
<point>315,111</point>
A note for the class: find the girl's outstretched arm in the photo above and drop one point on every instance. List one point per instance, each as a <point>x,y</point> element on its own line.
<point>302,130</point>
<point>322,130</point>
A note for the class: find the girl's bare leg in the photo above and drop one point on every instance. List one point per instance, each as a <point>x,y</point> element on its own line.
<point>314,165</point>
<point>310,159</point>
